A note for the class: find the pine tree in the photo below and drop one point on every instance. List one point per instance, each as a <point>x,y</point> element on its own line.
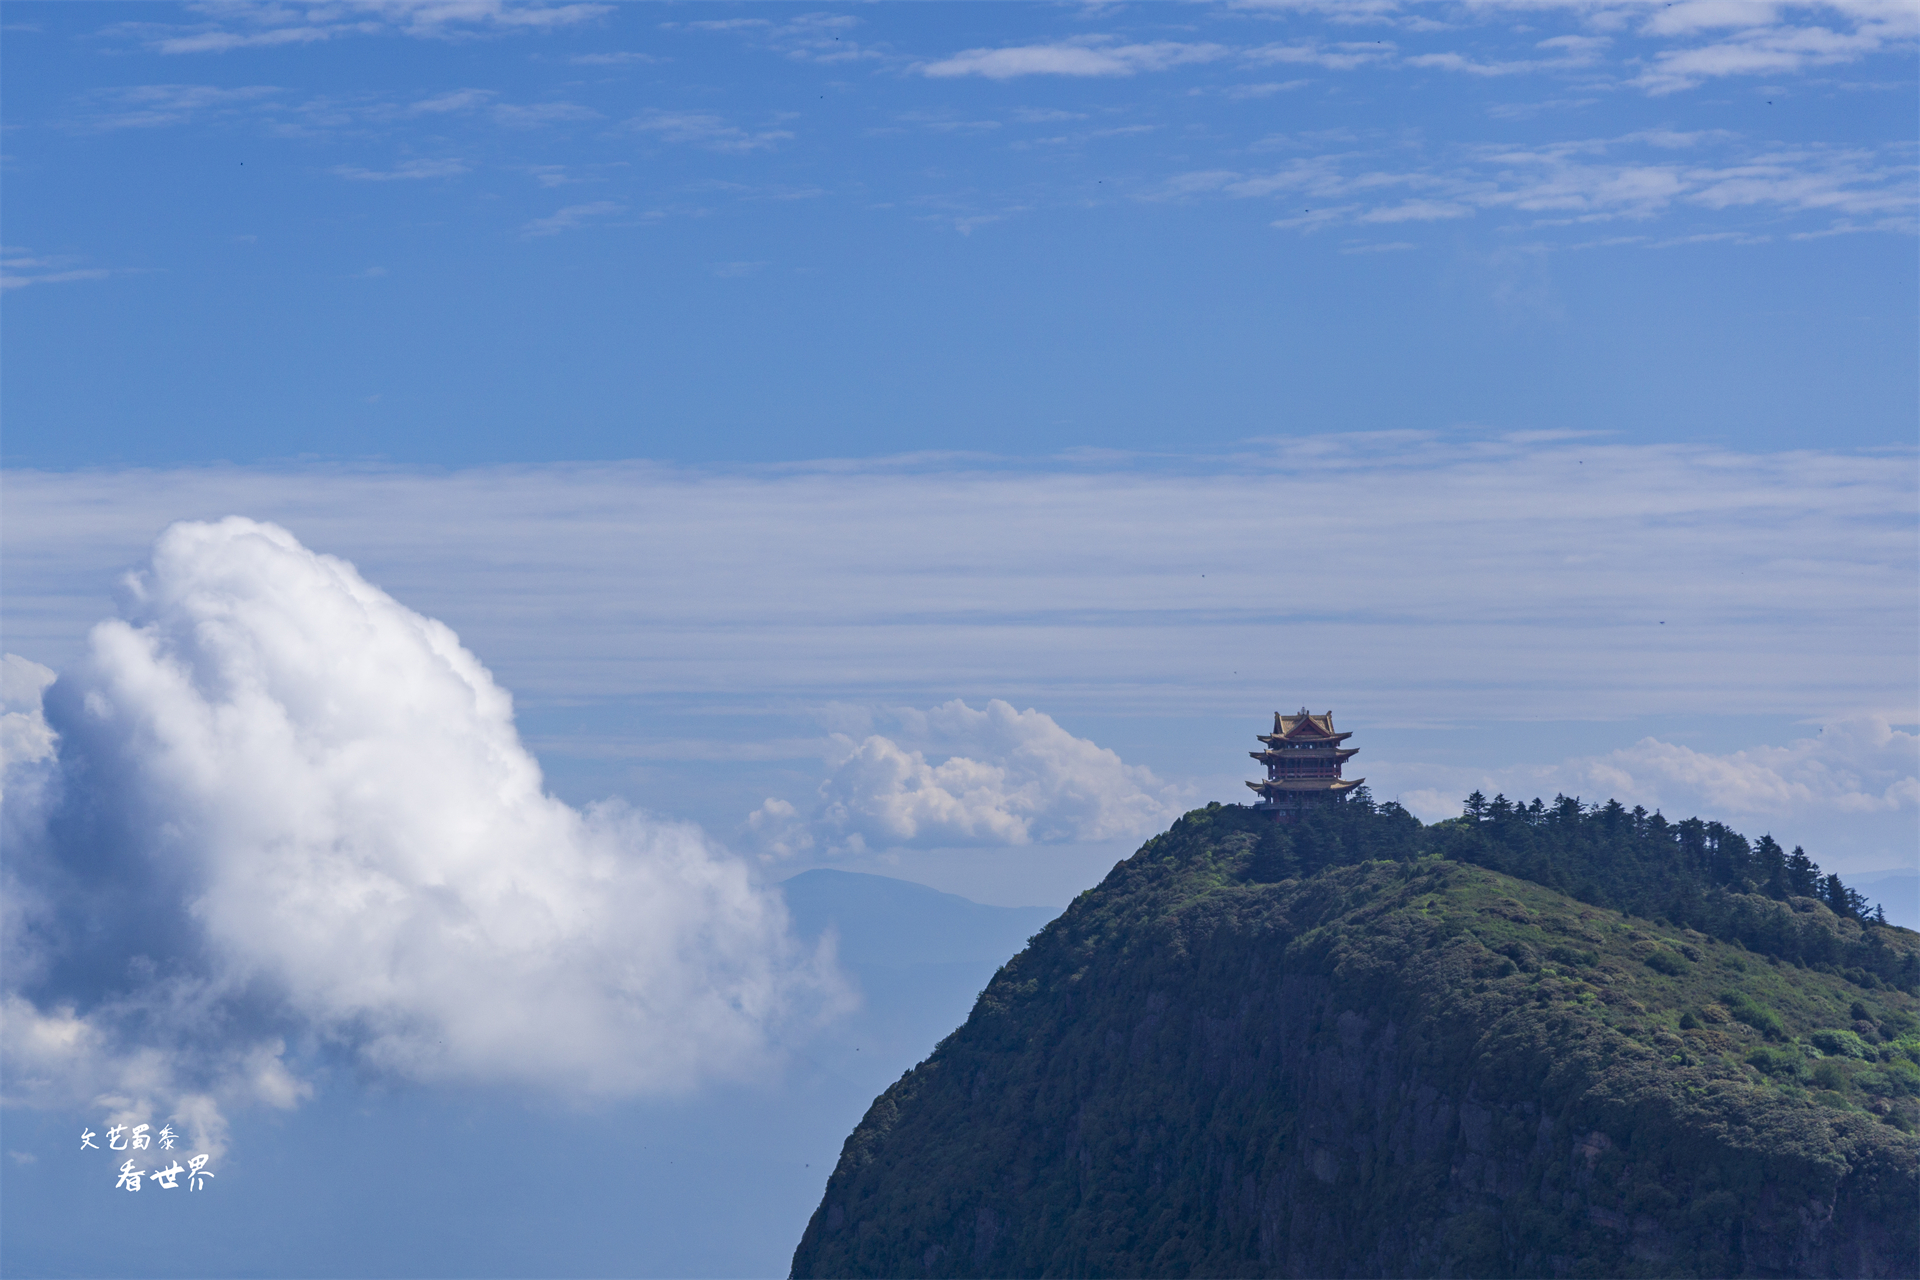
<point>1770,868</point>
<point>1834,894</point>
<point>1803,873</point>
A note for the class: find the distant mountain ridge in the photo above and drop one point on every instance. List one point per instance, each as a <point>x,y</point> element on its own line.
<point>1325,1051</point>
<point>1898,891</point>
<point>883,921</point>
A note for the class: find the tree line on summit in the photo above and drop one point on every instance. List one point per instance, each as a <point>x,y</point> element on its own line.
<point>1722,854</point>
<point>1692,873</point>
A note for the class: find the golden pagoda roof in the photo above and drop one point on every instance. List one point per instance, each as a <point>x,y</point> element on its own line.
<point>1305,727</point>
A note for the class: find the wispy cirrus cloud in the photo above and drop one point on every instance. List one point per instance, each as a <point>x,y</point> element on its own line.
<point>407,171</point>
<point>511,114</point>
<point>1559,53</point>
<point>616,58</point>
<point>226,27</point>
<point>1659,46</point>
<point>155,106</point>
<point>1775,50</point>
<point>808,37</point>
<point>454,101</point>
<point>706,129</point>
<point>1092,56</point>
<point>1636,177</point>
<point>21,267</point>
<point>1338,56</point>
<point>574,215</point>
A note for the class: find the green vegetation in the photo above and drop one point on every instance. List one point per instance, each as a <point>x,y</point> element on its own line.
<point>1326,1050</point>
<point>1701,875</point>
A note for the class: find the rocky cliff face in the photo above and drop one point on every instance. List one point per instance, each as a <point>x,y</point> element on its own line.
<point>1414,1068</point>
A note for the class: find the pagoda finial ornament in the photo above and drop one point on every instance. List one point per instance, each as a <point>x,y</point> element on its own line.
<point>1303,757</point>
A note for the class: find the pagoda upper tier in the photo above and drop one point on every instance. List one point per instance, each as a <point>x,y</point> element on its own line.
<point>1303,757</point>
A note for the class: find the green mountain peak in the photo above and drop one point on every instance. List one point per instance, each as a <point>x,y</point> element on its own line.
<point>1325,1050</point>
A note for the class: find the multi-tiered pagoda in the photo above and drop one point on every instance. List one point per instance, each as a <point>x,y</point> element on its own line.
<point>1303,759</point>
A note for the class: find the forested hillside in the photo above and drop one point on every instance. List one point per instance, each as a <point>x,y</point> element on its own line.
<point>1531,1041</point>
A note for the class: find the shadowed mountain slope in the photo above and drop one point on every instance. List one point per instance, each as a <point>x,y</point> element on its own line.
<point>1249,1053</point>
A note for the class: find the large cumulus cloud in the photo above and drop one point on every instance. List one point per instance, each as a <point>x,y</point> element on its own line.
<point>290,818</point>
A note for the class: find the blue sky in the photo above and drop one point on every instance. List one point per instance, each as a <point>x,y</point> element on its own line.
<point>436,234</point>
<point>925,440</point>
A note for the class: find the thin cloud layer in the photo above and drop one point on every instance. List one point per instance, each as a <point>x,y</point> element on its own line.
<point>1652,45</point>
<point>705,129</point>
<point>1072,58</point>
<point>409,171</point>
<point>290,820</point>
<point>1634,178</point>
<point>229,27</point>
<point>1427,576</point>
<point>20,267</point>
<point>574,215</point>
<point>1003,777</point>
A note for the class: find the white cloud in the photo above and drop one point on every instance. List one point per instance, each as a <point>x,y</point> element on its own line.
<point>1416,211</point>
<point>19,269</point>
<point>621,58</point>
<point>1853,766</point>
<point>704,129</point>
<point>1344,56</point>
<point>1091,57</point>
<point>1000,777</point>
<point>249,26</point>
<point>1465,65</point>
<point>1741,37</point>
<point>534,114</point>
<point>574,215</point>
<point>1762,46</point>
<point>295,810</point>
<point>216,40</point>
<point>153,106</point>
<point>458,100</point>
<point>806,37</point>
<point>1637,176</point>
<point>1242,92</point>
<point>24,736</point>
<point>409,171</point>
